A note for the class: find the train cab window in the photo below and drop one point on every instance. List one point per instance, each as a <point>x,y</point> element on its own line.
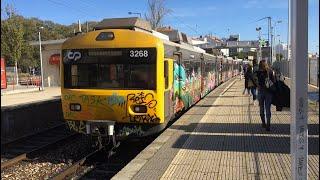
<point>110,70</point>
<point>141,76</point>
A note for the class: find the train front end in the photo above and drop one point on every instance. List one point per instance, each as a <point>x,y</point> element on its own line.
<point>112,83</point>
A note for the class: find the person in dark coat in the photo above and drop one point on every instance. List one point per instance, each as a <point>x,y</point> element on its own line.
<point>264,93</point>
<point>251,83</point>
<point>245,69</point>
<point>281,97</point>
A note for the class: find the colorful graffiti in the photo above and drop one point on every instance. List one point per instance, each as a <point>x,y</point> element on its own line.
<point>187,87</point>
<point>115,99</point>
<point>93,106</point>
<point>210,82</point>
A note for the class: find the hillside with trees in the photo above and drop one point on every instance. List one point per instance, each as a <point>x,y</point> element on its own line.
<point>17,32</point>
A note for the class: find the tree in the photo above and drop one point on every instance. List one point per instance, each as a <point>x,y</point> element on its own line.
<point>17,32</point>
<point>12,38</point>
<point>156,13</point>
<point>279,57</point>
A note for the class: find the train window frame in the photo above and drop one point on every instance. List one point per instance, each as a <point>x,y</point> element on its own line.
<point>166,73</point>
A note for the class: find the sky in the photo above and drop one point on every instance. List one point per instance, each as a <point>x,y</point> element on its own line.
<point>193,17</point>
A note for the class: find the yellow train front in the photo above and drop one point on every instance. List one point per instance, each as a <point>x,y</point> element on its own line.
<point>113,82</point>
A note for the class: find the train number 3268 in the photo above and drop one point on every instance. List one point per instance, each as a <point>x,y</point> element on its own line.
<point>138,53</point>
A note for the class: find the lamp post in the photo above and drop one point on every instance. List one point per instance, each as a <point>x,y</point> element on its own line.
<point>274,37</point>
<point>276,48</point>
<point>259,54</point>
<point>42,86</point>
<point>135,13</point>
<point>269,32</point>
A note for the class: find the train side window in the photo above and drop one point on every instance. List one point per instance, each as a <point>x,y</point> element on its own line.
<point>166,74</point>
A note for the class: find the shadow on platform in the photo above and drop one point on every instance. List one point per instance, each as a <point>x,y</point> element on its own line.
<point>256,138</point>
<point>244,128</point>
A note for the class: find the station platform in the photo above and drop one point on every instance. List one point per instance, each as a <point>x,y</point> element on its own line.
<point>221,137</point>
<point>25,97</point>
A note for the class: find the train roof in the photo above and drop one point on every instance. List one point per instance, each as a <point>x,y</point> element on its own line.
<point>132,23</point>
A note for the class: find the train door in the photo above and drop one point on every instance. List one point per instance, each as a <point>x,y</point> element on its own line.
<point>177,82</point>
<point>168,89</point>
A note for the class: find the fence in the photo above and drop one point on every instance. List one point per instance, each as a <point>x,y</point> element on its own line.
<point>313,69</point>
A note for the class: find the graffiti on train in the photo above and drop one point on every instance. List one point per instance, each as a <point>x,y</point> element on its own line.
<point>78,126</point>
<point>143,99</point>
<point>146,99</point>
<point>94,106</point>
<point>144,118</point>
<point>115,99</point>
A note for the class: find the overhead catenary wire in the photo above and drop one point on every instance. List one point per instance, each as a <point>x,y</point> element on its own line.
<point>69,6</point>
<point>188,26</point>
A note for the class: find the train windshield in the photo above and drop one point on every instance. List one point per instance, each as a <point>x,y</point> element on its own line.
<point>110,69</point>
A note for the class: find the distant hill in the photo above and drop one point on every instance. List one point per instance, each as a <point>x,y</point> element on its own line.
<point>17,31</point>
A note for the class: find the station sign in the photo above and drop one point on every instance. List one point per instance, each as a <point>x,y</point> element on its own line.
<point>54,59</point>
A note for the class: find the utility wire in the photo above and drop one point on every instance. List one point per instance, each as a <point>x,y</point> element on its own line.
<point>188,26</point>
<point>69,6</point>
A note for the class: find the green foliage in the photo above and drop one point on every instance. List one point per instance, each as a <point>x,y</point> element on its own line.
<point>17,32</point>
<point>279,57</point>
<point>12,37</point>
<point>244,55</point>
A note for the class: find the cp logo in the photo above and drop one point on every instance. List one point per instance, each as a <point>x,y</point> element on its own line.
<point>74,55</point>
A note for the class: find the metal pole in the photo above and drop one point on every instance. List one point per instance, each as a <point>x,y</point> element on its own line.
<point>289,32</point>
<point>260,52</point>
<point>270,40</point>
<point>42,83</point>
<point>299,89</point>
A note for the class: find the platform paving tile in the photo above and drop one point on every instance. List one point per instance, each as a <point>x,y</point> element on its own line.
<point>227,141</point>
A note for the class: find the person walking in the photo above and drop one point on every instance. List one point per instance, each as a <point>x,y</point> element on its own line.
<point>265,81</point>
<point>251,83</point>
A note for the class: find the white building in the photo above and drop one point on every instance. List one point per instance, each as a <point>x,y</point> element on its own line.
<point>51,61</point>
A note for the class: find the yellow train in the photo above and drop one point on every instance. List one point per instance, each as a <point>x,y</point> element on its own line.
<point>123,79</point>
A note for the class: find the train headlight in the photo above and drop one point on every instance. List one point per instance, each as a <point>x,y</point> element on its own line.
<point>75,107</point>
<point>140,109</point>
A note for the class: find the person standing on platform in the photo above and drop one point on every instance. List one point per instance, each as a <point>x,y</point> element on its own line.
<point>245,69</point>
<point>251,83</point>
<point>265,81</point>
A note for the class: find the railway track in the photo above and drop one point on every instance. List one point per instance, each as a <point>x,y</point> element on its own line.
<point>98,165</point>
<point>24,148</point>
